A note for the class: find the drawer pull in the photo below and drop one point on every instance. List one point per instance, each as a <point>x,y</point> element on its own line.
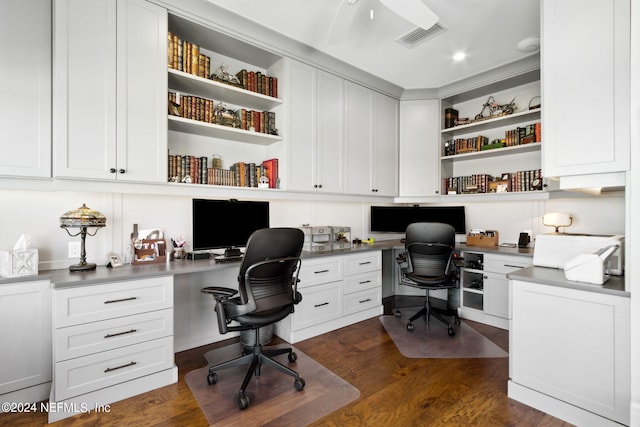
<point>364,300</point>
<point>120,333</point>
<point>365,263</point>
<point>111,301</point>
<point>366,281</point>
<point>321,304</point>
<point>119,367</point>
<point>514,266</point>
<point>321,271</point>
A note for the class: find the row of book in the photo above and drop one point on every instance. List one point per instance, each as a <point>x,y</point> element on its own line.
<point>256,81</point>
<point>484,183</point>
<point>519,136</point>
<point>206,110</point>
<point>464,145</point>
<point>185,56</point>
<point>523,135</point>
<point>196,170</point>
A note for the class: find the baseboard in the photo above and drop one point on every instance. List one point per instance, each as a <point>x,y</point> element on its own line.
<point>487,319</point>
<point>36,393</point>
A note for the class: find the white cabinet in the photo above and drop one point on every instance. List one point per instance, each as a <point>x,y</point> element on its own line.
<point>109,85</point>
<point>419,142</point>
<point>337,290</point>
<point>315,143</point>
<point>485,289</point>
<point>25,312</point>
<point>586,90</point>
<point>25,112</point>
<point>111,341</point>
<point>371,142</point>
<point>569,353</point>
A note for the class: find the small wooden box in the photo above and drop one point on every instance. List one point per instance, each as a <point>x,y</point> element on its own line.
<point>483,240</point>
<point>153,251</point>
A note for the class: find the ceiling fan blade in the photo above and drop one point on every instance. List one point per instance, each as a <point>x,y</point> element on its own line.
<point>342,19</point>
<point>413,11</point>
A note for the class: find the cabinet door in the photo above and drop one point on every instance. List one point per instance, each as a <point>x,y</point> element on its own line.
<point>358,113</point>
<point>141,92</point>
<point>301,102</point>
<point>25,112</point>
<point>496,294</point>
<point>25,312</point>
<point>384,152</point>
<point>329,147</point>
<point>84,89</point>
<point>419,154</point>
<point>585,91</point>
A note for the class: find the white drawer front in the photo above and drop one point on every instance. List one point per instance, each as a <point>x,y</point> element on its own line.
<point>85,374</point>
<point>319,304</point>
<point>505,264</point>
<point>322,270</point>
<point>363,281</point>
<point>362,300</point>
<point>360,263</point>
<point>91,303</point>
<point>90,338</point>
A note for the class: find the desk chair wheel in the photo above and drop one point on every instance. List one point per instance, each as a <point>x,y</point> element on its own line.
<point>398,314</point>
<point>292,357</point>
<point>299,384</point>
<point>451,331</point>
<point>410,327</point>
<point>242,401</point>
<point>212,378</point>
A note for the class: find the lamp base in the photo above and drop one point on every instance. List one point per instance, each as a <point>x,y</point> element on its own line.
<point>82,267</point>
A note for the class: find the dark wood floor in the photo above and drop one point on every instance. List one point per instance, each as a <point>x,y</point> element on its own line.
<point>394,390</point>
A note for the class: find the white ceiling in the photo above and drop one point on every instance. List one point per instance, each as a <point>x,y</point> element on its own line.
<point>488,31</point>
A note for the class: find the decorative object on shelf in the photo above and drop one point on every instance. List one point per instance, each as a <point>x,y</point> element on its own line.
<point>223,76</point>
<point>450,117</point>
<point>495,109</point>
<point>557,220</point>
<point>114,260</point>
<point>82,218</point>
<point>533,106</point>
<point>149,246</point>
<point>225,116</point>
<point>21,261</point>
<point>463,121</point>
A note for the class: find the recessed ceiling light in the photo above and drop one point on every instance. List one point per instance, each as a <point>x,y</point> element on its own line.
<point>459,56</point>
<point>530,44</point>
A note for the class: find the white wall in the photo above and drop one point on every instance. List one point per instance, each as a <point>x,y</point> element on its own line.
<point>37,213</point>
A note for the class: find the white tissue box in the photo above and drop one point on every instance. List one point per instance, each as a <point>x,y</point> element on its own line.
<point>19,263</point>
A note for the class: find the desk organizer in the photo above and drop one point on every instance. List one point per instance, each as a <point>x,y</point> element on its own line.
<point>340,237</point>
<point>488,238</point>
<point>19,263</point>
<point>317,239</point>
<point>152,251</point>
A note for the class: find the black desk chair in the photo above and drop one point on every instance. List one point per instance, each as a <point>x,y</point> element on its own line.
<point>267,293</point>
<point>427,263</point>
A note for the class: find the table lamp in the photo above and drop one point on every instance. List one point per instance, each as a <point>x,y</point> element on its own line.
<point>557,220</point>
<point>82,218</point>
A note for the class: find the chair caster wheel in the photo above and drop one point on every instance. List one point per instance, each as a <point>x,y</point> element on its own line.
<point>410,327</point>
<point>457,321</point>
<point>398,314</point>
<point>292,357</point>
<point>212,378</point>
<point>299,384</point>
<point>451,332</point>
<point>242,400</point>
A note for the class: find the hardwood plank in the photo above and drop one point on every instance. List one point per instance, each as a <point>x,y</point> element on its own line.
<point>394,390</point>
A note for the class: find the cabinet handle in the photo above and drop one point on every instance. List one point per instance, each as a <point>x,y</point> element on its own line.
<point>117,334</point>
<point>365,263</point>
<point>365,300</point>
<point>119,367</point>
<point>121,171</point>
<point>111,301</point>
<point>485,277</point>
<point>366,281</point>
<point>514,266</point>
<point>320,271</point>
<point>321,304</point>
<point>112,170</point>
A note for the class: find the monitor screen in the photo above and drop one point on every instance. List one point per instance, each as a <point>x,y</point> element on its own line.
<point>226,223</point>
<point>395,219</point>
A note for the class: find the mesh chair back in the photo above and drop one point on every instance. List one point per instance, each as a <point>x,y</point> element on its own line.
<point>429,246</point>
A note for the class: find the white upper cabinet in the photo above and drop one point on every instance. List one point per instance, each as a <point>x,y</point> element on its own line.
<point>110,86</point>
<point>25,112</point>
<point>419,148</point>
<point>384,152</point>
<point>585,91</point>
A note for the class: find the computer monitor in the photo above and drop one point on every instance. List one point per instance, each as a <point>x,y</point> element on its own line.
<point>395,219</point>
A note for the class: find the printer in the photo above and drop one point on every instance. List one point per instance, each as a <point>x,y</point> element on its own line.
<point>555,249</point>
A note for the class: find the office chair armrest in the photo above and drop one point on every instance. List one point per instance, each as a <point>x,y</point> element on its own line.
<point>219,293</point>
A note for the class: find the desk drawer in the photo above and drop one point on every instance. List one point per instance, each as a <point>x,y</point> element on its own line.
<point>362,300</point>
<point>95,337</point>
<point>74,306</point>
<point>359,282</point>
<point>322,270</point>
<point>319,304</point>
<point>505,264</point>
<point>360,263</point>
<point>86,374</point>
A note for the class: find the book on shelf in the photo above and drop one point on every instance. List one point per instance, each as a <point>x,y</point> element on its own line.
<point>519,181</point>
<point>186,56</point>
<point>256,81</point>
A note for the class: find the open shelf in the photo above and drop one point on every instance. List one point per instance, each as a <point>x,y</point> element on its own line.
<point>504,151</point>
<point>492,123</point>
<point>180,124</point>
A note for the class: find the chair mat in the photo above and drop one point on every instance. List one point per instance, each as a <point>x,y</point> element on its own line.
<point>430,340</point>
<point>274,399</point>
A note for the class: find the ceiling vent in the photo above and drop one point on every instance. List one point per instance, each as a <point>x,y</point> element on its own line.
<point>420,35</point>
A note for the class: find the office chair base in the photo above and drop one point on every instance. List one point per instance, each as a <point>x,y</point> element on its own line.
<point>427,311</point>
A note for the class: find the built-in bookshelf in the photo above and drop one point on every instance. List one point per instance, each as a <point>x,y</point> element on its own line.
<point>222,98</point>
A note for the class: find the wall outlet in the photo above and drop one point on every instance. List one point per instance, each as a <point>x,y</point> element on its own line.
<point>74,249</point>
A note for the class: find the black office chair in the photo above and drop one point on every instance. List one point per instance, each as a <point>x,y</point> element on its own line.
<point>427,263</point>
<point>267,293</point>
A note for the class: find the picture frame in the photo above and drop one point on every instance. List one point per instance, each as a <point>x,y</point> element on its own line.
<point>114,260</point>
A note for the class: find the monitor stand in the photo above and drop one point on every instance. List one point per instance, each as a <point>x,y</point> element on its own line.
<point>232,253</point>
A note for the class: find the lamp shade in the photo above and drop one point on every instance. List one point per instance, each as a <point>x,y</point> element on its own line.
<point>82,217</point>
<point>557,219</point>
